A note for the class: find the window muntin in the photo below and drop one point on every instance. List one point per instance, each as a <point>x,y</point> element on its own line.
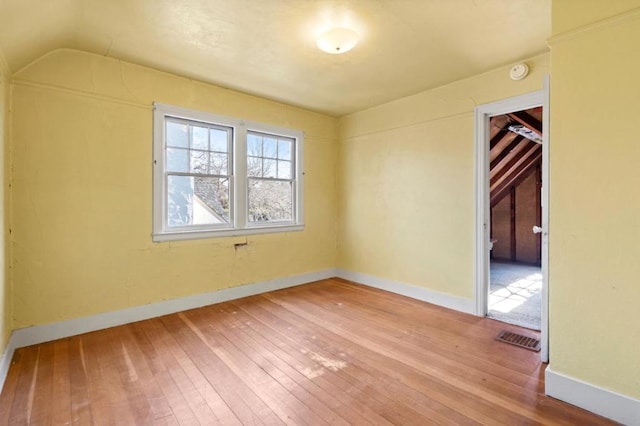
<point>219,176</point>
<point>270,162</point>
<point>197,157</point>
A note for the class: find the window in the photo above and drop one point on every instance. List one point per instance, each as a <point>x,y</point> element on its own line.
<point>220,176</point>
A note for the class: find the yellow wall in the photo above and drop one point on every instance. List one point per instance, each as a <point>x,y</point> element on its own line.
<point>82,140</point>
<point>568,15</point>
<point>81,196</point>
<point>407,183</point>
<point>5,292</point>
<point>595,221</point>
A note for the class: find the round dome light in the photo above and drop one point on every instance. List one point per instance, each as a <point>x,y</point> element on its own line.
<point>337,40</point>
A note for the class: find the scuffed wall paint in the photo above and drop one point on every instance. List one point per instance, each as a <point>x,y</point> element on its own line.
<point>82,192</point>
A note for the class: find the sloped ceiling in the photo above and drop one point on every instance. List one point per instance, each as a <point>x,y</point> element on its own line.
<point>267,47</point>
<point>513,157</point>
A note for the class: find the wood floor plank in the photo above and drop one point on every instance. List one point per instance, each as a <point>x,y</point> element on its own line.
<point>133,395</point>
<point>80,390</point>
<point>480,370</point>
<point>138,348</point>
<point>355,380</point>
<point>329,352</point>
<point>397,349</point>
<point>276,397</point>
<point>41,412</point>
<point>210,396</point>
<point>185,402</point>
<point>321,345</point>
<point>9,391</point>
<point>104,381</point>
<point>383,384</point>
<point>471,373</point>
<point>332,392</point>
<point>245,404</point>
<point>61,414</point>
<point>232,331</point>
<point>22,402</point>
<point>444,330</point>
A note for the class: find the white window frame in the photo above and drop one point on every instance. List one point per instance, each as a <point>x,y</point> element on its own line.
<point>238,184</point>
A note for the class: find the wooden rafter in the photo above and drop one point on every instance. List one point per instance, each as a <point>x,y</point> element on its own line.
<point>498,137</point>
<point>527,120</point>
<point>523,171</point>
<point>507,172</point>
<point>501,145</point>
<point>511,161</point>
<point>504,153</point>
<point>512,156</point>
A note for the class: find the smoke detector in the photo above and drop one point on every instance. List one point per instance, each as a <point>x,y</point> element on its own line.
<point>518,72</point>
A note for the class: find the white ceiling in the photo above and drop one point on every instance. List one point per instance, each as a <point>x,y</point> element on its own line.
<point>267,47</point>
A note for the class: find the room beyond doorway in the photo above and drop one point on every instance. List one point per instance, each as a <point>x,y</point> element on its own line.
<point>515,294</point>
<point>515,172</point>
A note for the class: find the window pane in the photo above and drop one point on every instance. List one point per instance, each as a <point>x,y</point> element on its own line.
<point>218,140</point>
<point>284,169</point>
<point>177,135</point>
<point>200,162</point>
<point>199,137</point>
<point>254,166</point>
<point>269,147</point>
<point>211,200</point>
<point>284,150</point>
<point>197,200</point>
<point>179,200</point>
<point>269,168</point>
<point>254,145</point>
<point>177,160</point>
<point>219,164</point>
<point>270,201</point>
<point>201,189</point>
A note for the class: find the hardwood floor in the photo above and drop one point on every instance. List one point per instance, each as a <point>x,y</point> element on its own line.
<point>330,352</point>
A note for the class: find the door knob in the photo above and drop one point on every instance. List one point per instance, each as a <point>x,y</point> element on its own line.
<point>537,229</point>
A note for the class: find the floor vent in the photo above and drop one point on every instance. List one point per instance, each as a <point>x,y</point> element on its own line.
<point>526,342</point>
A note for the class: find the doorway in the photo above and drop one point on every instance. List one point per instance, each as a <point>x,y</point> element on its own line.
<point>512,212</point>
<point>515,212</point>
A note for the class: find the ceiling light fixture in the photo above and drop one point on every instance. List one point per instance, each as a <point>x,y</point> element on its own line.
<point>527,133</point>
<point>337,40</point>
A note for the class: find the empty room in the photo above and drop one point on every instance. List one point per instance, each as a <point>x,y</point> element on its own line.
<point>317,212</point>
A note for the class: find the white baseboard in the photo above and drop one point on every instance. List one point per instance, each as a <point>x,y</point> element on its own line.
<point>58,330</point>
<point>5,361</point>
<point>607,403</point>
<point>442,299</point>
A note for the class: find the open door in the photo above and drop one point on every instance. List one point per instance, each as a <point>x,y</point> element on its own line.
<point>544,331</point>
<point>486,194</point>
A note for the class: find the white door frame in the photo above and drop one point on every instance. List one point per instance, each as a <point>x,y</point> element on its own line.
<point>483,114</point>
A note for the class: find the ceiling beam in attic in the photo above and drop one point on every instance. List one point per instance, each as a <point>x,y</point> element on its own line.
<point>497,123</point>
<point>527,120</point>
<point>503,153</point>
<point>506,172</point>
<point>498,137</point>
<point>500,193</point>
<point>518,174</point>
<point>511,160</point>
<point>501,145</point>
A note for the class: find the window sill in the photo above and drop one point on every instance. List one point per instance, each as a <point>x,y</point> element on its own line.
<point>196,235</point>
